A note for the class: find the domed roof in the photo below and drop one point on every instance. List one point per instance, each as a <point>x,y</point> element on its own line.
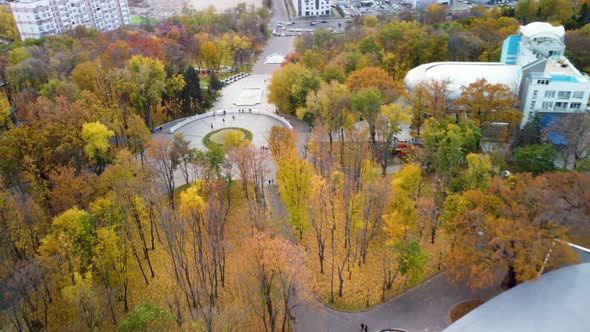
<point>461,74</point>
<point>542,29</point>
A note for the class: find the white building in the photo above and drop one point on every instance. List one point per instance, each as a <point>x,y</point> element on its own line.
<point>38,18</point>
<point>312,7</point>
<point>532,65</point>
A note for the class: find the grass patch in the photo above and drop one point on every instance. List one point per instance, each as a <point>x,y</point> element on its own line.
<point>217,137</point>
<point>140,20</point>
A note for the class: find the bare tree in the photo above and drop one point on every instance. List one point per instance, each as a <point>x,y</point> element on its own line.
<point>251,164</point>
<point>573,133</point>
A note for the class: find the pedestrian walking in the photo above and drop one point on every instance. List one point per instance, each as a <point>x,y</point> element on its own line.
<point>233,117</point>
<point>212,126</point>
<point>366,328</point>
<point>362,327</point>
<point>223,121</point>
<point>223,112</point>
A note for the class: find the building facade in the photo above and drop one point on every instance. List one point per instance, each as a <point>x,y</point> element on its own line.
<point>38,18</point>
<point>532,64</point>
<point>550,82</point>
<point>312,7</point>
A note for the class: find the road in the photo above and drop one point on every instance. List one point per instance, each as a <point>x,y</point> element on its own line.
<point>423,308</point>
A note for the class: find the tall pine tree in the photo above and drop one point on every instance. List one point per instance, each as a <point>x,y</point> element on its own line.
<point>191,94</point>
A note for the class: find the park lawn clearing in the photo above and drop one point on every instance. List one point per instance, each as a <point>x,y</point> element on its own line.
<point>220,137</point>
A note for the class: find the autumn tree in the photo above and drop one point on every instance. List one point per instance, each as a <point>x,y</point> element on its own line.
<point>281,142</point>
<point>84,302</point>
<point>166,163</point>
<point>183,155</point>
<point>502,226</point>
<point>326,106</point>
<point>96,137</point>
<point>251,165</point>
<point>486,102</point>
<point>293,181</point>
<point>277,273</point>
<point>373,77</point>
<point>70,238</point>
<point>110,261</point>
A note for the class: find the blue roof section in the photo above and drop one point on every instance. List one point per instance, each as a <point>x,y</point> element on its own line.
<point>564,78</point>
<point>510,49</point>
<point>557,139</point>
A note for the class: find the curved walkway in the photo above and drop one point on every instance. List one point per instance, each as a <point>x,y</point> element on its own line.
<point>422,308</point>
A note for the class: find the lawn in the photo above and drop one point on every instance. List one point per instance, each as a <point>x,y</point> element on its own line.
<point>139,20</point>
<point>218,136</point>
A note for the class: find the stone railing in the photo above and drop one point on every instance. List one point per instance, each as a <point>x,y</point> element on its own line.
<point>229,111</point>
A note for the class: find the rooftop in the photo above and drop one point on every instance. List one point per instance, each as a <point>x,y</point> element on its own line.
<point>542,29</point>
<point>459,74</point>
<point>557,301</point>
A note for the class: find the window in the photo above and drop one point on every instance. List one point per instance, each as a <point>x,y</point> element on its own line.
<point>578,94</point>
<point>547,105</point>
<point>575,106</point>
<point>535,94</point>
<point>559,106</point>
<point>549,94</point>
<point>543,82</point>
<point>564,95</point>
<point>533,104</point>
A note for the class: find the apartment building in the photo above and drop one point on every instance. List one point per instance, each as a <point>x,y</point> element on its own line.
<point>38,18</point>
<point>312,7</point>
<point>532,64</point>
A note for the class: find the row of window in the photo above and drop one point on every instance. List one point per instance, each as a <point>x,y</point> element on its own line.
<point>559,106</point>
<point>560,94</point>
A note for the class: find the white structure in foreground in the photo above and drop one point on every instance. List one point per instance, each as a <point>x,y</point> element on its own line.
<point>312,7</point>
<point>532,65</point>
<point>38,18</point>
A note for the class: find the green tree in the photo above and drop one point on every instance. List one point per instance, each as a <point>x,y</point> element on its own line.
<point>327,106</point>
<point>147,317</point>
<point>411,260</point>
<point>531,133</point>
<point>290,86</point>
<point>144,81</point>
<point>191,95</point>
<point>367,102</point>
<point>535,158</point>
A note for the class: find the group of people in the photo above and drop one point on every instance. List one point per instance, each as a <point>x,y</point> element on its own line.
<point>364,327</point>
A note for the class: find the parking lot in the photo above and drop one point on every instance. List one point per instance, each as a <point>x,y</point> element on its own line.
<point>373,7</point>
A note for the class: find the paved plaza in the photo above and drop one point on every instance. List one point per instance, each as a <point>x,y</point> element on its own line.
<point>258,124</point>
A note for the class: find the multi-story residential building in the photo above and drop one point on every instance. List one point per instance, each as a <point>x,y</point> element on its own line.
<point>532,65</point>
<point>312,7</point>
<point>38,18</point>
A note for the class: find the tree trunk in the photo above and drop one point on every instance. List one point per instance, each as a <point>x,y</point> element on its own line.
<point>510,278</point>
